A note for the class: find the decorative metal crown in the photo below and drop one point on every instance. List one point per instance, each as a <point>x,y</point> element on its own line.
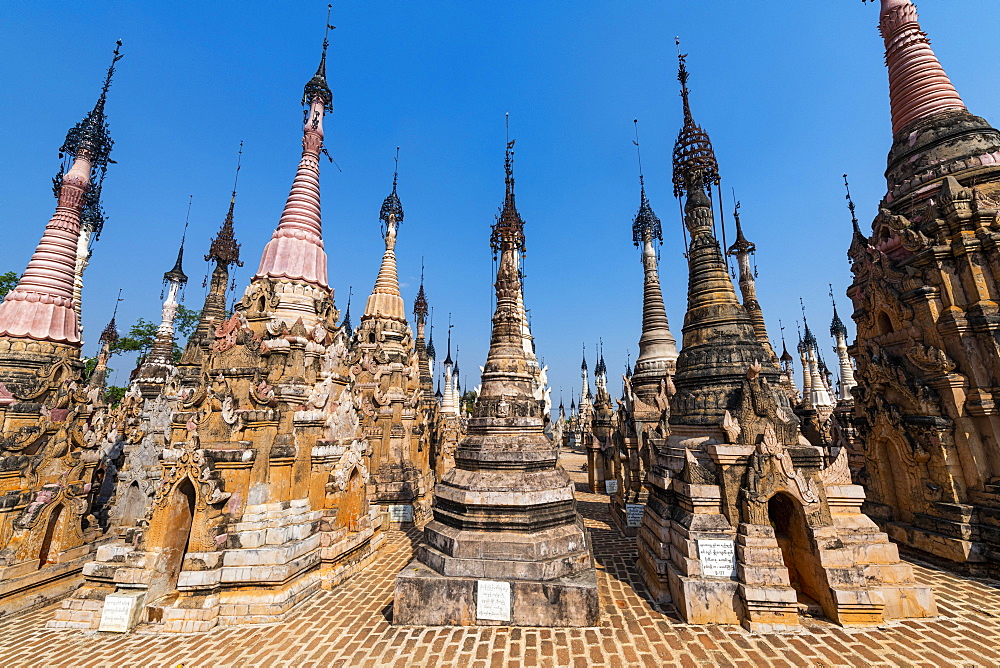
<point>509,226</point>
<point>645,219</point>
<point>92,137</point>
<point>224,249</point>
<point>694,157</point>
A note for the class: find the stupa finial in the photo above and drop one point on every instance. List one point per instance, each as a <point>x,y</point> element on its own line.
<point>317,86</point>
<point>645,221</point>
<point>509,226</point>
<point>695,165</point>
<point>225,249</point>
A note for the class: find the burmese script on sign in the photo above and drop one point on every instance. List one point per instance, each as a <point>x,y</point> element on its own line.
<point>116,616</point>
<point>610,486</point>
<point>401,513</point>
<point>718,558</point>
<point>493,600</point>
<point>633,514</point>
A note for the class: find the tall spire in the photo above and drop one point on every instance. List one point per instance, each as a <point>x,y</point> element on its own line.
<point>720,342</point>
<point>385,300</point>
<point>295,251</point>
<point>839,333</point>
<point>224,251</point>
<point>109,337</point>
<point>348,328</point>
<point>743,250</point>
<point>158,366</point>
<point>177,272</point>
<point>850,206</point>
<point>694,158</point>
<point>42,306</point>
<point>657,346</point>
<point>431,351</point>
<point>506,459</point>
<point>918,85</point>
<point>420,302</point>
<point>509,226</point>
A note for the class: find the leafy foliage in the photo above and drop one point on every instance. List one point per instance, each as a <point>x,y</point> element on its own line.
<point>139,339</point>
<point>142,334</point>
<point>114,394</point>
<point>8,282</point>
<point>185,322</point>
<point>469,400</point>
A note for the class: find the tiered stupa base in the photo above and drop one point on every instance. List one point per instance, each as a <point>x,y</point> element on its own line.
<point>516,532</point>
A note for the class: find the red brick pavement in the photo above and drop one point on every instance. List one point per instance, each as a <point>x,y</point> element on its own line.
<point>350,627</point>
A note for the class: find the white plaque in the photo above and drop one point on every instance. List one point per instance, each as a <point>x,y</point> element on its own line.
<point>718,558</point>
<point>400,513</point>
<point>493,600</point>
<point>633,514</point>
<point>121,612</point>
<point>610,486</point>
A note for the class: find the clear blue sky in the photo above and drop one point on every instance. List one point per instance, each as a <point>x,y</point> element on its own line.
<point>793,95</point>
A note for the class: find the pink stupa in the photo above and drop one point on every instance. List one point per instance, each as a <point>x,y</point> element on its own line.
<point>41,306</point>
<point>918,85</point>
<point>295,250</point>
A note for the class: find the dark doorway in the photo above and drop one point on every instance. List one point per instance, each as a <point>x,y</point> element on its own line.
<point>46,555</point>
<point>805,572</point>
<point>178,532</point>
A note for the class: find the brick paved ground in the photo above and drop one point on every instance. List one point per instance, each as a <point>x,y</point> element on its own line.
<point>350,627</point>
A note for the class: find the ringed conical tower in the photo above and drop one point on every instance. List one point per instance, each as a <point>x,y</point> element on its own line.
<point>506,545</point>
<point>925,303</point>
<point>47,529</point>
<point>745,519</point>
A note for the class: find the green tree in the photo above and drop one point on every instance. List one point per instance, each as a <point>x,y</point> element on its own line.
<point>185,322</point>
<point>8,282</point>
<point>469,400</point>
<point>114,394</point>
<point>139,339</point>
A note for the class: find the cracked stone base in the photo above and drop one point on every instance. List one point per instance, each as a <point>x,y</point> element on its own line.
<point>427,598</point>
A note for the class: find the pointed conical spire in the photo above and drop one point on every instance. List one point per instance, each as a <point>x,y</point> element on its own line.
<point>348,328</point>
<point>385,300</point>
<point>447,359</point>
<point>224,249</point>
<point>158,366</point>
<point>720,341</point>
<point>695,166</point>
<point>657,346</point>
<point>431,351</point>
<point>583,364</point>
<point>743,250</point>
<point>646,223</point>
<point>918,85</point>
<point>176,274</point>
<point>109,337</point>
<point>857,235</point>
<point>601,369</point>
<point>295,251</point>
<point>837,327</point>
<point>42,306</point>
<point>420,302</point>
<point>110,333</point>
<point>509,226</point>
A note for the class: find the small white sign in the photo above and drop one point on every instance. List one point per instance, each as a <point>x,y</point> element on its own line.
<point>121,612</point>
<point>718,558</point>
<point>493,600</point>
<point>633,514</point>
<point>610,486</point>
<point>400,513</point>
